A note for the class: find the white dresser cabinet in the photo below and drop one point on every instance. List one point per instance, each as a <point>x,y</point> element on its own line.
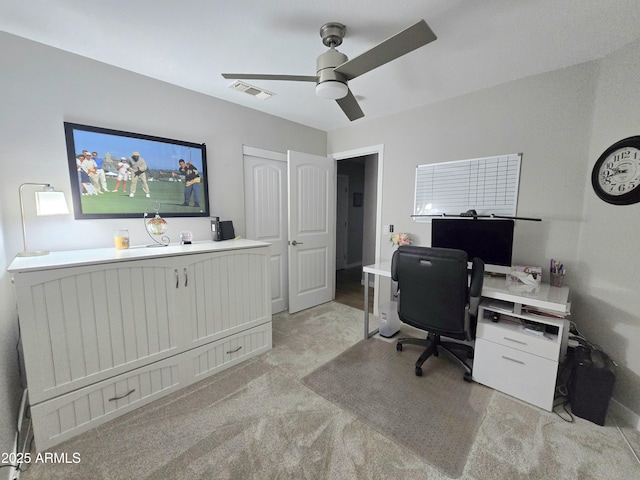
<point>515,360</point>
<point>106,331</point>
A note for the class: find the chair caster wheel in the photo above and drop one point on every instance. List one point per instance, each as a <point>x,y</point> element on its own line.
<point>399,347</point>
<point>418,372</point>
<point>468,377</point>
<point>436,353</point>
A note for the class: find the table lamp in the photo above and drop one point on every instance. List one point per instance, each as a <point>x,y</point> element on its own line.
<point>48,202</point>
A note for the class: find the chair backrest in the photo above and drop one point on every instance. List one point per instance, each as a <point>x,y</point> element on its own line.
<point>434,291</point>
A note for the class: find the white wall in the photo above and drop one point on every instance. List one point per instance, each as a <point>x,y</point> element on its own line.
<point>546,117</point>
<point>608,304</point>
<point>10,389</point>
<point>561,121</point>
<point>41,88</point>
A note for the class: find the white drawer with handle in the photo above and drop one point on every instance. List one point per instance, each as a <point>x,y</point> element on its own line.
<point>522,375</point>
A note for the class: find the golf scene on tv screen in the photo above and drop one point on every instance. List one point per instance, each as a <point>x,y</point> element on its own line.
<point>117,174</point>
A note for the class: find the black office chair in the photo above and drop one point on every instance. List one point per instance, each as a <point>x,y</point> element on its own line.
<point>434,295</point>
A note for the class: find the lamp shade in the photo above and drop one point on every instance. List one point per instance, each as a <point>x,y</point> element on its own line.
<point>48,202</point>
<point>51,203</point>
<point>332,90</point>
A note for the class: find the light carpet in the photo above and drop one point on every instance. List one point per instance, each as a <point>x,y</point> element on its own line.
<point>436,416</point>
<point>257,421</point>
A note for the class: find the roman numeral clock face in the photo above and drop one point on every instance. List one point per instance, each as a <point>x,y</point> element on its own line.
<point>616,174</point>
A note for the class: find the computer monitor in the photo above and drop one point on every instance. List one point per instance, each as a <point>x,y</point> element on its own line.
<point>488,239</point>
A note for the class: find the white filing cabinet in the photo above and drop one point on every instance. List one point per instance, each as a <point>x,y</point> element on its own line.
<point>512,359</point>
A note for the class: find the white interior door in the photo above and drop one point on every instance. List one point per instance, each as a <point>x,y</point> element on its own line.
<point>265,191</point>
<point>311,183</point>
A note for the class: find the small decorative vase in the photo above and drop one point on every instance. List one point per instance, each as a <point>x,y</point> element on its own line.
<point>157,225</point>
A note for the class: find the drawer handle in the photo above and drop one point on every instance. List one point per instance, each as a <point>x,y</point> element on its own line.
<point>234,351</point>
<point>515,341</point>
<point>513,360</point>
<point>177,279</point>
<point>122,396</point>
<point>186,277</point>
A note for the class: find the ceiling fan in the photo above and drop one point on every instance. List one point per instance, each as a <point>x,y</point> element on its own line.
<point>334,69</point>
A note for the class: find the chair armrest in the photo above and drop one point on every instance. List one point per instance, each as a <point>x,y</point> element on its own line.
<point>394,266</point>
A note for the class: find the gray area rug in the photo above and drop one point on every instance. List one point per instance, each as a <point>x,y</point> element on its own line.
<point>436,416</point>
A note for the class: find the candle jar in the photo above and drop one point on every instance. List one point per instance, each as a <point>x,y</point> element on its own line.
<point>186,237</point>
<point>121,239</point>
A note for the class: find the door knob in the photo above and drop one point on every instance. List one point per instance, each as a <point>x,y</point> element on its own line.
<point>294,243</point>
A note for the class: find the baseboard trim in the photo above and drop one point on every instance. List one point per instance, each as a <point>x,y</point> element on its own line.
<point>625,415</point>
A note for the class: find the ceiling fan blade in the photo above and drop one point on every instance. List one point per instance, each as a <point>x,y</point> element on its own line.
<point>350,107</point>
<point>250,76</point>
<point>400,44</point>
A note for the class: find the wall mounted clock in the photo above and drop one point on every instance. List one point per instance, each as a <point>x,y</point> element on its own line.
<point>616,173</point>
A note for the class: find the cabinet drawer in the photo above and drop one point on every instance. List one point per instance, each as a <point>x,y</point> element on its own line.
<point>516,373</point>
<point>513,335</point>
<point>216,356</point>
<point>68,415</point>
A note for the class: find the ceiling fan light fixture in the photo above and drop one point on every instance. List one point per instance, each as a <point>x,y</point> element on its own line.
<point>332,90</point>
<point>334,70</point>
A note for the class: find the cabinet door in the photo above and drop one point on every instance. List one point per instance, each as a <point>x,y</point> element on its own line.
<point>81,325</point>
<point>225,293</point>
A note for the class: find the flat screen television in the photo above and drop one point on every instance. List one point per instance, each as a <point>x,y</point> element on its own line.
<point>111,186</point>
<point>490,239</point>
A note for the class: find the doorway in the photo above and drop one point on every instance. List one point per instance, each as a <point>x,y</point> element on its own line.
<point>274,180</point>
<point>356,207</point>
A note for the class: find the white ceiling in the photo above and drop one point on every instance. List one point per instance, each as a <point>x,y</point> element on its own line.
<point>189,43</point>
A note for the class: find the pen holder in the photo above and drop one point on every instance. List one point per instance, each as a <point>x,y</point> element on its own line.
<point>556,279</point>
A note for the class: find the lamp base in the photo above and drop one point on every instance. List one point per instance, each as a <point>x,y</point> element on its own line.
<point>34,253</point>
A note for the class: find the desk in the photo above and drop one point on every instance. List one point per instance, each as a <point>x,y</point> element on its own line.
<point>507,358</point>
<point>382,269</point>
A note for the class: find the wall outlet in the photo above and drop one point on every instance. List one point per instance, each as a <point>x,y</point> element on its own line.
<point>390,228</point>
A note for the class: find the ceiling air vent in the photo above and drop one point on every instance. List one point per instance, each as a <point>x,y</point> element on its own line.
<point>251,90</point>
